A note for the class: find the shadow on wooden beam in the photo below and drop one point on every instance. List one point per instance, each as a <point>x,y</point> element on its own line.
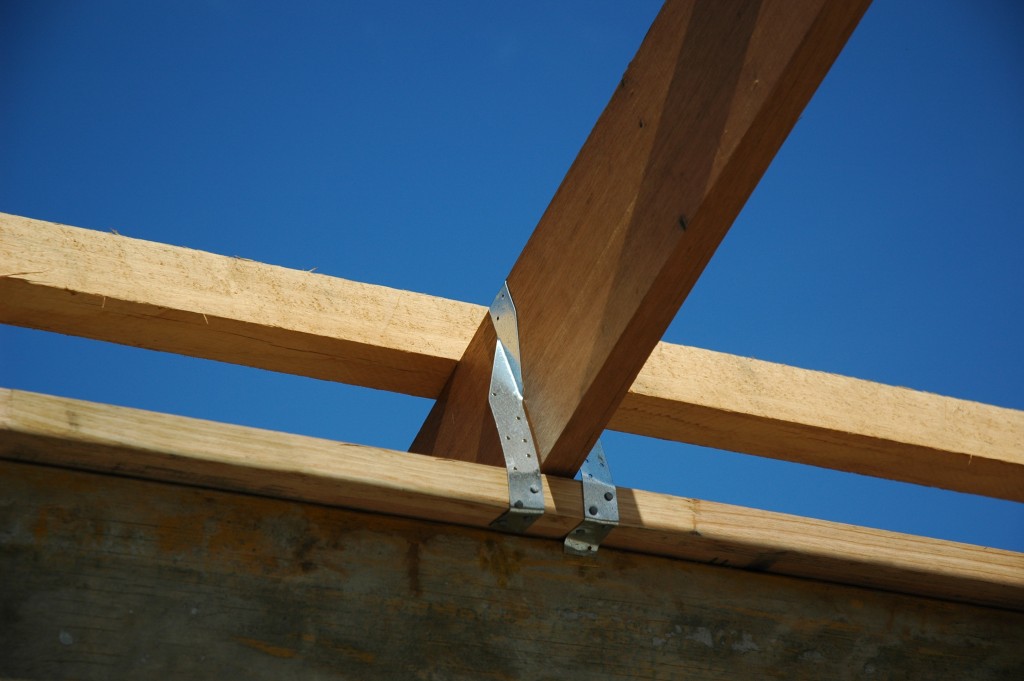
<point>98,437</point>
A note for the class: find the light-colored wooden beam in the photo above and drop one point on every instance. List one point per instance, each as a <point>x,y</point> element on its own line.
<point>699,114</point>
<point>811,417</point>
<point>198,584</point>
<point>49,430</point>
<point>102,285</point>
<point>113,288</point>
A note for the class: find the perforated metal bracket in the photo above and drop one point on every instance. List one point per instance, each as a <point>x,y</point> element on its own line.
<point>525,487</point>
<point>600,505</point>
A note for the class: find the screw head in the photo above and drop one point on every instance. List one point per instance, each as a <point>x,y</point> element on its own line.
<point>608,496</point>
<point>593,510</point>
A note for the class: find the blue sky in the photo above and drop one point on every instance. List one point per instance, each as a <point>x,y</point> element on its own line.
<point>416,145</point>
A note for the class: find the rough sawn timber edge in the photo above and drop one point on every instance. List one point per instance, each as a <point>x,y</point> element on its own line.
<point>71,433</point>
<point>114,288</point>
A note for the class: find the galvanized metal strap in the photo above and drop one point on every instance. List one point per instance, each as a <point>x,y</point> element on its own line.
<point>600,505</point>
<point>525,486</point>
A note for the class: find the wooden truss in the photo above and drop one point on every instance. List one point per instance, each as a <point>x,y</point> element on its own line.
<point>701,111</point>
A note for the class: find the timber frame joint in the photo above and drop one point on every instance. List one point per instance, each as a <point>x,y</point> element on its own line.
<point>522,460</point>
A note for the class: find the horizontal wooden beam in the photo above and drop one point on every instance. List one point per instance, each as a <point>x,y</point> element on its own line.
<point>199,584</point>
<point>70,433</point>
<point>109,287</point>
<point>812,417</point>
<point>114,288</point>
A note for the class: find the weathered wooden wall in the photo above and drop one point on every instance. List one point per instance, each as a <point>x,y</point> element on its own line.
<point>104,577</point>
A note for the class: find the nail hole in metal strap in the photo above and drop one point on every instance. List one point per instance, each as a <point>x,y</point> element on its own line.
<point>600,505</point>
<point>525,487</point>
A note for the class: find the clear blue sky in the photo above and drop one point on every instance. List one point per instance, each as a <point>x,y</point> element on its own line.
<point>416,145</point>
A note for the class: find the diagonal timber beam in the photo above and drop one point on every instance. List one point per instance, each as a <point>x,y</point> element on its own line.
<point>114,288</point>
<point>701,111</point>
<point>55,431</point>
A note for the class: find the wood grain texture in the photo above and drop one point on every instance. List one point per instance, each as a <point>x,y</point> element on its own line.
<point>70,433</point>
<point>811,417</point>
<point>106,286</point>
<point>196,584</point>
<point>146,294</point>
<point>699,114</point>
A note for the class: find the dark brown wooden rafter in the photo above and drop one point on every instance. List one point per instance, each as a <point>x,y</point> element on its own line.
<point>700,113</point>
